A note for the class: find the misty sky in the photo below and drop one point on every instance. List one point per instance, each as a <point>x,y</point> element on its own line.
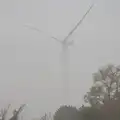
<point>30,69</point>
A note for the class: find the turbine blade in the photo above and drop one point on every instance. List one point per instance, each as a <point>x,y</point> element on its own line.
<point>71,32</point>
<point>33,28</point>
<point>56,39</point>
<point>36,29</point>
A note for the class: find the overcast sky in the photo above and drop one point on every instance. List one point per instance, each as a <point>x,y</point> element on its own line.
<point>30,69</point>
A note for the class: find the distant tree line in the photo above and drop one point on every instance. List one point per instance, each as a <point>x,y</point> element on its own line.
<point>103,98</point>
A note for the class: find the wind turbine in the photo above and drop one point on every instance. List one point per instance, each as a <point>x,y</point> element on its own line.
<point>65,44</point>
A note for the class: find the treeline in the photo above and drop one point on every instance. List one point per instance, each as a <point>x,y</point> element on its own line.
<point>103,98</point>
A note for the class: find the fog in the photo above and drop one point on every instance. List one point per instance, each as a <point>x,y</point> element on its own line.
<point>30,62</point>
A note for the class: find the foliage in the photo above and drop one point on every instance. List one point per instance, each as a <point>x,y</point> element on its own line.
<point>66,113</point>
<point>106,86</point>
<point>46,117</point>
<point>90,113</point>
<point>111,110</point>
<point>104,98</point>
<point>4,112</point>
<point>17,112</point>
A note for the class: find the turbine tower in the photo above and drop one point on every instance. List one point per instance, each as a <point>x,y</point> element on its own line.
<point>65,44</point>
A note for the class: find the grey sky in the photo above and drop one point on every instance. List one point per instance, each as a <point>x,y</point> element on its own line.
<point>30,62</point>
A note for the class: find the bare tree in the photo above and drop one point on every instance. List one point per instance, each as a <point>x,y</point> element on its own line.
<point>3,112</point>
<point>17,112</point>
<point>46,117</point>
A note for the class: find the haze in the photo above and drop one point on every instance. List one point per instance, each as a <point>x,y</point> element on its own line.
<point>30,69</point>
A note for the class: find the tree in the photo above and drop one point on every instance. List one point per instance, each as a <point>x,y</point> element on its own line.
<point>106,86</point>
<point>46,117</point>
<point>17,112</point>
<point>90,113</point>
<point>4,112</point>
<point>111,110</point>
<point>66,113</point>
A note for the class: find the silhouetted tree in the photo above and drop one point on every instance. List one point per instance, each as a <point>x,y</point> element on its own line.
<point>3,112</point>
<point>111,110</point>
<point>17,112</point>
<point>106,86</point>
<point>46,117</point>
<point>90,113</point>
<point>66,113</point>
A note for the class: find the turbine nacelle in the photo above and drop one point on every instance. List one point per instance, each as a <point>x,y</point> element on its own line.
<point>71,43</point>
<point>66,43</point>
